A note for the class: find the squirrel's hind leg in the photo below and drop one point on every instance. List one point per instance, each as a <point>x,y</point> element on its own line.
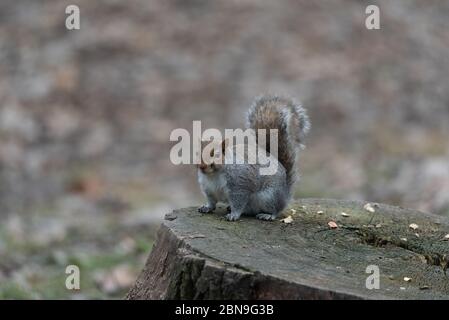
<point>237,201</point>
<point>266,216</point>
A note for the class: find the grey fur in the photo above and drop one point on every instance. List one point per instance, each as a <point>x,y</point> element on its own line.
<point>241,185</point>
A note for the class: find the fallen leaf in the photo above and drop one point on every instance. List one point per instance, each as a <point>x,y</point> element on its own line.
<point>90,186</point>
<point>344,214</point>
<point>293,211</point>
<point>422,258</point>
<point>424,287</point>
<point>414,226</point>
<point>369,207</point>
<point>320,212</point>
<point>378,225</point>
<point>446,237</point>
<point>417,235</point>
<point>289,219</point>
<point>332,224</point>
<point>407,279</point>
<point>402,288</point>
<point>404,239</point>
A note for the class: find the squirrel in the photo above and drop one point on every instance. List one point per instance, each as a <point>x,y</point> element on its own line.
<point>241,185</point>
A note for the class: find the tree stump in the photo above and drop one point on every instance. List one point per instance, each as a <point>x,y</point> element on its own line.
<point>202,256</point>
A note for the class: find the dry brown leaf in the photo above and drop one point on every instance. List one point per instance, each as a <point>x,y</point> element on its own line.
<point>332,224</point>
<point>344,214</point>
<point>414,226</point>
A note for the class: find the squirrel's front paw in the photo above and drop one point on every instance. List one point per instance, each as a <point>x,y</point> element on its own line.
<point>205,209</point>
<point>232,216</point>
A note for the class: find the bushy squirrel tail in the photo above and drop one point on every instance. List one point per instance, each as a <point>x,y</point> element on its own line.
<point>291,120</point>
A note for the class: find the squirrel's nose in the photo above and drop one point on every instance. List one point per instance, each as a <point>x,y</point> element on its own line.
<point>202,166</point>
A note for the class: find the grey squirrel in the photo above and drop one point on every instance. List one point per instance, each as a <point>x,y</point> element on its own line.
<point>241,185</point>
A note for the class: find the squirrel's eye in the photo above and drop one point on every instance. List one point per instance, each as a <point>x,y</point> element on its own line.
<point>212,153</point>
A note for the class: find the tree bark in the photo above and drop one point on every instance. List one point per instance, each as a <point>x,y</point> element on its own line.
<point>202,256</point>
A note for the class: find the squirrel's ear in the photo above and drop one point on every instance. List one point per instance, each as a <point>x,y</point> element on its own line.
<point>224,144</point>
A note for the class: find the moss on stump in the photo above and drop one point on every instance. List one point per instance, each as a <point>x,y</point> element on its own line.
<point>202,256</point>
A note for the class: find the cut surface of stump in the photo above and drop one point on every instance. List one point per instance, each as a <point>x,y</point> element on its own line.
<point>203,256</point>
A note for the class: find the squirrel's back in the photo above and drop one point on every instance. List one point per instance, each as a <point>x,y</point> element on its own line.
<point>291,121</point>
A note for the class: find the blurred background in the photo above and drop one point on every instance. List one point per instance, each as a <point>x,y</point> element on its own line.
<point>85,117</point>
